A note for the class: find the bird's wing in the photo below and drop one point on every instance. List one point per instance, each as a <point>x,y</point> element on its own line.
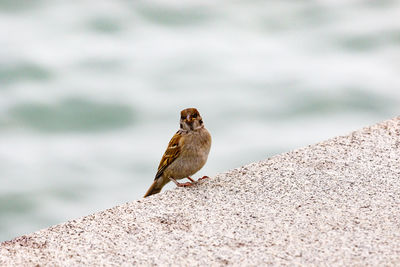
<point>171,154</point>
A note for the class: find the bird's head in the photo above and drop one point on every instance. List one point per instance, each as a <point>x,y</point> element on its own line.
<point>191,119</point>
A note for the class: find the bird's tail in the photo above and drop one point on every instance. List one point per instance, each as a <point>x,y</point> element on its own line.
<point>155,188</point>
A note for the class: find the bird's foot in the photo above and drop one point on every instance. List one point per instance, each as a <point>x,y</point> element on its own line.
<point>190,178</point>
<point>202,178</point>
<point>184,184</point>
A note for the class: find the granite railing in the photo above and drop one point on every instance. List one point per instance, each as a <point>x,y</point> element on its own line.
<point>332,203</point>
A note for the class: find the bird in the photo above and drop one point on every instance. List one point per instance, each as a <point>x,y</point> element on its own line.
<point>186,153</point>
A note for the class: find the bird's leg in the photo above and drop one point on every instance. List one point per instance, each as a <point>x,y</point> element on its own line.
<point>202,178</point>
<point>180,184</point>
<point>191,179</point>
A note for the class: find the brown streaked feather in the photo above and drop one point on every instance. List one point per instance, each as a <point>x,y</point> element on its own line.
<point>171,154</point>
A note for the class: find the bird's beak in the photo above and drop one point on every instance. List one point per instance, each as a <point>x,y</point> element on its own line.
<point>188,117</point>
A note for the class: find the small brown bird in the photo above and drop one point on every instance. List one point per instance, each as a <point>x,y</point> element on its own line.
<point>186,153</point>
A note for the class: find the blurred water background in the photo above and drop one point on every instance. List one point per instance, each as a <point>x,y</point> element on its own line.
<point>90,91</point>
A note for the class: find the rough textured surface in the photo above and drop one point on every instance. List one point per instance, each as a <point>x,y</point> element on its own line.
<point>333,203</point>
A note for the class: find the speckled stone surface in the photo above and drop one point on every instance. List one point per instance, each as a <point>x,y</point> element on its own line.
<point>333,203</point>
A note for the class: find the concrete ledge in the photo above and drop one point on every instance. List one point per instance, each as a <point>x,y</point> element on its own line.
<point>333,203</point>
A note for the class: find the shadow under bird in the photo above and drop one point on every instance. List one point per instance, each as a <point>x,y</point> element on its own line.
<point>186,153</point>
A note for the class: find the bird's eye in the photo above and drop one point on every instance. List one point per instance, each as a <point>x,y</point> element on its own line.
<point>194,116</point>
<point>182,117</point>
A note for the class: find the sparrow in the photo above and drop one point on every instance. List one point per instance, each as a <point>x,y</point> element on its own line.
<point>186,153</point>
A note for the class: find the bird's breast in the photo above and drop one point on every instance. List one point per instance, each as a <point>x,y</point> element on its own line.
<point>193,155</point>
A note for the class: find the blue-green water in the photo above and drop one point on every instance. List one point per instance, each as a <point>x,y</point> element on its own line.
<point>90,91</point>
